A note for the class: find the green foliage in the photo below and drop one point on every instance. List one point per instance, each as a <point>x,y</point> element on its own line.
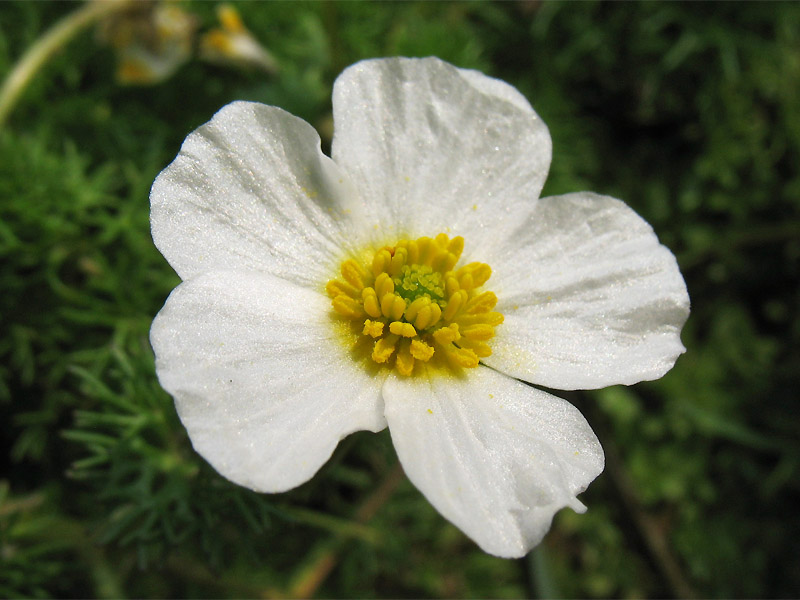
<point>686,111</point>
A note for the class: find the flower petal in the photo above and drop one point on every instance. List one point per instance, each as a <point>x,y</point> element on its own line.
<point>589,295</point>
<point>261,382</point>
<point>251,190</point>
<point>495,456</point>
<point>433,146</point>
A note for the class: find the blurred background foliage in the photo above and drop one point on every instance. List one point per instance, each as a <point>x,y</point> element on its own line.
<point>686,111</point>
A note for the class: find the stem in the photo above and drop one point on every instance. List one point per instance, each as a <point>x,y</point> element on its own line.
<point>47,45</point>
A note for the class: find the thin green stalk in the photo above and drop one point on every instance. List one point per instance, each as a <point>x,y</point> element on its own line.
<point>46,46</point>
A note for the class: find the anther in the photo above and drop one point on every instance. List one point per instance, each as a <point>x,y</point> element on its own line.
<point>402,329</point>
<point>370,301</point>
<point>413,309</point>
<point>481,349</point>
<point>451,285</point>
<point>405,360</point>
<point>425,247</point>
<point>373,328</point>
<point>353,274</point>
<point>454,305</point>
<point>423,317</point>
<point>347,307</point>
<point>480,273</point>
<point>489,318</point>
<point>340,288</point>
<point>456,246</point>
<point>393,306</point>
<point>383,285</point>
<point>447,335</point>
<point>413,253</point>
<point>398,261</point>
<point>461,357</point>
<point>381,262</point>
<point>384,348</point>
<point>481,303</point>
<point>479,332</point>
<point>421,351</point>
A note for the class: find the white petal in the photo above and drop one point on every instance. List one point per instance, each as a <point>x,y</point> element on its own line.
<point>495,456</point>
<point>251,190</point>
<point>432,147</point>
<point>589,295</point>
<point>496,87</point>
<point>261,381</point>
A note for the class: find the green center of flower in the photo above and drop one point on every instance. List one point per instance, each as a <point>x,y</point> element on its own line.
<point>414,306</point>
<point>416,281</point>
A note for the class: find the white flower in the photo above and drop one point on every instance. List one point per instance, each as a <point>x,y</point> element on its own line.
<point>268,374</point>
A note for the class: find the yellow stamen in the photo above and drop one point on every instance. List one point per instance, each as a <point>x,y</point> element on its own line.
<point>384,348</point>
<point>481,349</point>
<point>393,306</point>
<point>461,357</point>
<point>417,306</point>
<point>373,328</point>
<point>405,360</point>
<point>348,307</point>
<point>447,335</point>
<point>490,318</point>
<point>402,329</point>
<point>457,300</point>
<point>353,274</point>
<point>476,273</point>
<point>384,285</point>
<point>340,288</point>
<point>370,301</point>
<point>381,261</point>
<point>480,332</point>
<point>451,285</point>
<point>413,309</point>
<point>481,304</point>
<point>398,261</point>
<point>421,351</point>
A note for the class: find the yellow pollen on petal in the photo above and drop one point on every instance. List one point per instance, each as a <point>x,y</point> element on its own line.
<point>409,307</point>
